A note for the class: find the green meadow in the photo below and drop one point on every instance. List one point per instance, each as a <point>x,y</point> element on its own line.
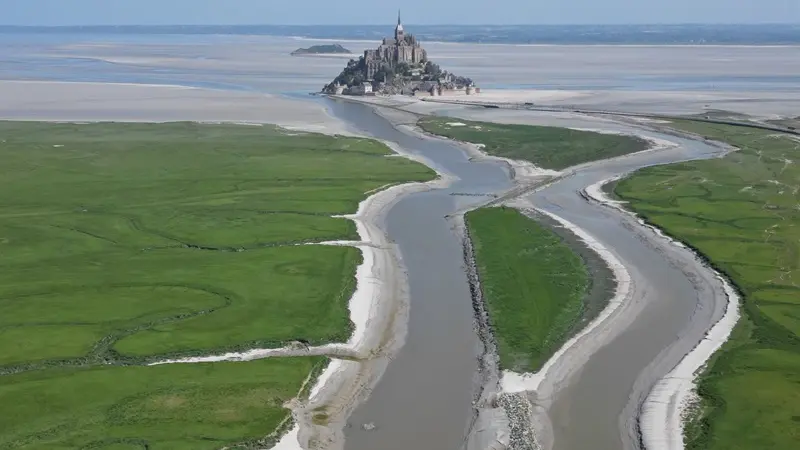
<point>175,407</point>
<point>547,147</point>
<point>742,212</point>
<point>125,243</point>
<point>533,284</point>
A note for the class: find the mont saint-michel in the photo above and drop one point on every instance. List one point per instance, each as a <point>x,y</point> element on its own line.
<point>400,65</point>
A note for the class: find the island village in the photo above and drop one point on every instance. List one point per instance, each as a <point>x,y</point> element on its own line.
<point>398,66</point>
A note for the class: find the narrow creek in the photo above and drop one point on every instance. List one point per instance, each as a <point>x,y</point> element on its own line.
<point>424,399</point>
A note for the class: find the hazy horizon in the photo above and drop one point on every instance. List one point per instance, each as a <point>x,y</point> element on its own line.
<point>379,24</point>
<point>419,12</point>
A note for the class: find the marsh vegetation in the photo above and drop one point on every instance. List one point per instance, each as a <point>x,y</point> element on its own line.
<point>121,244</point>
<point>533,284</point>
<point>546,147</point>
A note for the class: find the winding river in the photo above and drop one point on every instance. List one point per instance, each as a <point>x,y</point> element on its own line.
<point>425,398</point>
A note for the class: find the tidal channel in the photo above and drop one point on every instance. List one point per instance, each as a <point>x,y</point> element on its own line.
<point>424,399</point>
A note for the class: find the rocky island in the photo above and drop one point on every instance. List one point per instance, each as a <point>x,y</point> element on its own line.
<point>327,49</point>
<point>398,66</point>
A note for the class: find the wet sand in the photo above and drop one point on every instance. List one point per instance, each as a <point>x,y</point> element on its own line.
<point>90,102</point>
<point>761,81</point>
<point>601,278</point>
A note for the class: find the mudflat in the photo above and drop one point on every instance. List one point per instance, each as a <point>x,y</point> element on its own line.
<point>121,102</point>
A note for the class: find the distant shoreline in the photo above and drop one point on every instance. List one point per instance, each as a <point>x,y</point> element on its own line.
<point>543,45</point>
<point>640,35</point>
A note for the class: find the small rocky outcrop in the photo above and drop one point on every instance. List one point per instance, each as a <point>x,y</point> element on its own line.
<point>330,49</point>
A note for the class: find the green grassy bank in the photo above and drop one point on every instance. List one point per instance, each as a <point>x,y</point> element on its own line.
<point>120,243</point>
<point>175,407</point>
<point>741,212</point>
<point>547,147</point>
<point>533,285</point>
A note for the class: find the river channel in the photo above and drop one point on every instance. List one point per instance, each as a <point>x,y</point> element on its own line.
<point>424,399</point>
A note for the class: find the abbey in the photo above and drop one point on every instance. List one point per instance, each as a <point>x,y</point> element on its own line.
<point>404,48</point>
<point>398,66</point>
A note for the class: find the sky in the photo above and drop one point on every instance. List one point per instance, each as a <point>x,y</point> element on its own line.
<point>331,12</point>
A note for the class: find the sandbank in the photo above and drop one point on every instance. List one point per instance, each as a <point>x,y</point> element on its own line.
<point>536,96</point>
<point>103,102</point>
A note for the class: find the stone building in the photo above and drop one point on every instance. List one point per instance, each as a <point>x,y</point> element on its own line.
<point>404,48</point>
<point>399,66</point>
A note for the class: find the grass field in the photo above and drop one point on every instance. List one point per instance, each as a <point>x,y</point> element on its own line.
<point>173,407</point>
<point>547,147</point>
<point>120,243</point>
<point>743,213</point>
<point>533,284</point>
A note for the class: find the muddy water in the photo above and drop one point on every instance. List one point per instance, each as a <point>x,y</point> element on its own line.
<point>423,400</point>
<point>597,409</point>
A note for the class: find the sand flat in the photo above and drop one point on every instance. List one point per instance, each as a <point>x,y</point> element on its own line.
<point>761,81</point>
<point>67,101</point>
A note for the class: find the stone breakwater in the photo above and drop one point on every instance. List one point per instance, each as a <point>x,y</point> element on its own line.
<point>488,376</point>
<point>507,416</point>
<point>520,415</point>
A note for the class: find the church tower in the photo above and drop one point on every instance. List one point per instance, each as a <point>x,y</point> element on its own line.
<point>399,33</point>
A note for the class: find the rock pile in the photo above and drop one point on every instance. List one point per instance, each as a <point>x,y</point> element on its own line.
<point>519,412</point>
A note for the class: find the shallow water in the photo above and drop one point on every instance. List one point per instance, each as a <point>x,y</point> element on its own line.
<point>423,400</point>
<point>263,63</point>
<point>595,411</point>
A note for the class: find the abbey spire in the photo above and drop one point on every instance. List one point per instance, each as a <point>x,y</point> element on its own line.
<point>399,33</point>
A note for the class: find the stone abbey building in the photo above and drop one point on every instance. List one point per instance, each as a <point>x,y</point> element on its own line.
<point>399,66</point>
<point>404,48</point>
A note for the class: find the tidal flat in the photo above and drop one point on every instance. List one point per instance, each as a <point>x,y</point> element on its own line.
<point>124,243</point>
<point>740,212</point>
